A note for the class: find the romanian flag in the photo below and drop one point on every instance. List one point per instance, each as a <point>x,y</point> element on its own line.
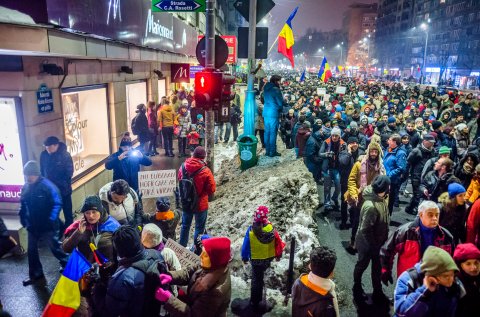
<point>286,39</point>
<point>65,298</point>
<point>324,73</point>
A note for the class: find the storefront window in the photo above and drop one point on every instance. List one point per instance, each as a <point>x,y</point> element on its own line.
<point>136,94</point>
<point>86,126</point>
<point>11,163</point>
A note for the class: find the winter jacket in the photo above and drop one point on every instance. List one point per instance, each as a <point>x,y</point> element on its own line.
<point>361,167</point>
<point>309,299</point>
<point>362,140</point>
<point>473,224</point>
<point>416,161</point>
<point>128,168</point>
<point>184,121</point>
<point>452,218</point>
<point>331,162</point>
<point>40,205</point>
<point>301,139</point>
<point>406,242</point>
<point>124,295</point>
<point>395,162</point>
<point>128,212</point>
<point>437,185</point>
<point>236,115</point>
<point>58,168</point>
<point>261,242</point>
<point>204,181</point>
<point>273,98</point>
<point>99,234</point>
<point>473,191</point>
<point>428,166</point>
<point>168,225</point>
<point>152,122</point>
<point>412,298</point>
<point>296,127</point>
<point>469,304</point>
<point>312,158</point>
<point>346,161</point>
<point>140,122</point>
<point>259,122</point>
<point>374,221</point>
<point>208,294</point>
<point>462,142</point>
<point>166,118</point>
<point>463,172</point>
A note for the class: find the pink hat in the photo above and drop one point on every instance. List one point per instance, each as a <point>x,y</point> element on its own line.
<point>261,215</point>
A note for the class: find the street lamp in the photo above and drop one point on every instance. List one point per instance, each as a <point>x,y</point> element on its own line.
<point>341,51</point>
<point>365,40</point>
<point>424,26</point>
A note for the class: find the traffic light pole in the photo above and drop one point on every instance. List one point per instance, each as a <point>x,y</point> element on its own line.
<point>210,66</point>
<point>250,105</point>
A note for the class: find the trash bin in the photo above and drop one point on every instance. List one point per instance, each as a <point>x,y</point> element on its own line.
<point>247,149</point>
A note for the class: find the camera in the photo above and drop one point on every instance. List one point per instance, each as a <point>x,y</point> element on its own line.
<point>134,153</point>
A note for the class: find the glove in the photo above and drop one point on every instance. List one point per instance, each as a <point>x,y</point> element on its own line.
<point>165,279</point>
<point>162,295</point>
<point>386,277</point>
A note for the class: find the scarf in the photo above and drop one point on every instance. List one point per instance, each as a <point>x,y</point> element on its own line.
<point>326,284</point>
<point>365,167</point>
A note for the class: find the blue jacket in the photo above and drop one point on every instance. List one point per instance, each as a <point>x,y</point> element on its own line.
<point>418,301</point>
<point>395,163</point>
<point>40,206</point>
<point>273,105</point>
<point>58,168</point>
<point>127,168</point>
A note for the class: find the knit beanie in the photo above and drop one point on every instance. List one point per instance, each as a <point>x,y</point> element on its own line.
<point>436,124</point>
<point>126,241</point>
<point>31,168</point>
<point>444,150</point>
<point>163,204</point>
<point>261,215</point>
<point>199,152</point>
<point>391,120</point>
<point>381,184</point>
<point>51,140</point>
<point>454,189</point>
<point>151,236</point>
<point>436,261</point>
<point>218,250</point>
<point>336,131</point>
<point>126,140</point>
<point>199,116</point>
<point>466,251</point>
<point>353,125</point>
<point>92,203</point>
<point>352,139</point>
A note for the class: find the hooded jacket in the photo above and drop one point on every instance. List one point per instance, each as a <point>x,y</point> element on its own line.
<point>184,121</point>
<point>273,101</point>
<point>311,300</point>
<point>58,168</point>
<point>374,221</point>
<point>395,162</point>
<point>261,243</point>
<point>417,160</point>
<point>204,181</point>
<point>166,118</point>
<point>141,126</point>
<point>128,212</point>
<point>452,218</point>
<point>301,138</point>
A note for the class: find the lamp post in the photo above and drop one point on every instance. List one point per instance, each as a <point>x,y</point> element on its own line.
<point>367,64</point>
<point>340,46</point>
<point>424,26</point>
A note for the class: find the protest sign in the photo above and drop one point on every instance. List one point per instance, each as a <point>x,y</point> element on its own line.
<point>186,257</point>
<point>341,90</point>
<point>321,91</point>
<point>154,184</point>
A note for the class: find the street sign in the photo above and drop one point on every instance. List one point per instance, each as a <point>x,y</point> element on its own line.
<point>261,39</point>
<point>44,99</point>
<point>221,52</point>
<point>194,70</point>
<point>178,6</point>
<point>263,7</point>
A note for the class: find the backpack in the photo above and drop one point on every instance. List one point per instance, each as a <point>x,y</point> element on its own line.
<point>187,190</point>
<point>152,266</point>
<point>134,126</point>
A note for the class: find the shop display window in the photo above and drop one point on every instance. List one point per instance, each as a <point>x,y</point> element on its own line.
<point>136,94</point>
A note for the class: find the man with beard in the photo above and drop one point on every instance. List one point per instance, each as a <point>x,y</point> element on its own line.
<point>436,182</point>
<point>415,162</point>
<point>353,131</point>
<point>362,174</point>
<point>347,158</point>
<point>414,136</point>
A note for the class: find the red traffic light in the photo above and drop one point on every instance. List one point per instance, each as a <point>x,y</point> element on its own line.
<point>207,89</point>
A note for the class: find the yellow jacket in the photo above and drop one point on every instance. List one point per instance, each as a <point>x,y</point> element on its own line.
<point>166,117</point>
<point>473,191</point>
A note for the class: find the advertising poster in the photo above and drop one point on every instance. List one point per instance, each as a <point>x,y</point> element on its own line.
<point>73,135</point>
<point>11,163</point>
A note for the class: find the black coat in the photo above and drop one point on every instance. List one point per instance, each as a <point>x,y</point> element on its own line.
<point>40,206</point>
<point>126,169</point>
<point>437,185</point>
<point>417,159</point>
<point>58,168</point>
<point>141,127</point>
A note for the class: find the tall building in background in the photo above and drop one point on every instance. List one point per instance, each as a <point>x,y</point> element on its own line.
<point>435,38</point>
<point>359,25</point>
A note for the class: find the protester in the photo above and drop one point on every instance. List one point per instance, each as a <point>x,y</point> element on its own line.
<point>166,218</point>
<point>453,211</point>
<point>152,128</point>
<point>395,160</point>
<point>152,238</point>
<point>122,202</point>
<point>56,165</point>
<point>140,128</point>
<point>467,258</point>
<point>184,122</point>
<point>166,121</point>
<point>271,114</point>
<point>436,182</point>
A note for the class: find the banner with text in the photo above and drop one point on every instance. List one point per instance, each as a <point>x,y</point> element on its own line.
<point>154,184</point>
<point>185,256</point>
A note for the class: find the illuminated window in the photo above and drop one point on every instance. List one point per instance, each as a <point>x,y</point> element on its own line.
<point>136,94</point>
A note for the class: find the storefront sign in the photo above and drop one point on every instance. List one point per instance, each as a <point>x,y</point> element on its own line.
<point>44,99</point>
<point>154,184</point>
<point>231,41</point>
<point>178,5</point>
<point>194,70</point>
<point>11,163</point>
<point>180,73</point>
<point>185,256</point>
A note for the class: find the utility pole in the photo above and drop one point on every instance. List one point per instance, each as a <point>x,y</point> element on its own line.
<point>250,105</point>
<point>210,66</point>
<point>424,73</point>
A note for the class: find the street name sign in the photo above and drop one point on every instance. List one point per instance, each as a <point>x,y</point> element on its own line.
<point>178,6</point>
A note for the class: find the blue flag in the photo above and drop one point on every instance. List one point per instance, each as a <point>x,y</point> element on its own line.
<point>302,78</point>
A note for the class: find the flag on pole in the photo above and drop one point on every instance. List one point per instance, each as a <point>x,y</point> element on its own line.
<point>302,77</point>
<point>65,298</point>
<point>324,73</point>
<point>286,38</point>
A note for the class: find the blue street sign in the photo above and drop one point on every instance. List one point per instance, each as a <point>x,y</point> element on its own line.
<point>44,99</point>
<point>178,5</point>
<point>194,70</point>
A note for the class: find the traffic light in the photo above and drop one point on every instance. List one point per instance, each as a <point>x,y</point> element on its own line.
<point>227,83</point>
<point>208,89</point>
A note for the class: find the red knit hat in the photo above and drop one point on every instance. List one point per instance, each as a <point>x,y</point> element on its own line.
<point>218,250</point>
<point>261,215</point>
<point>466,251</point>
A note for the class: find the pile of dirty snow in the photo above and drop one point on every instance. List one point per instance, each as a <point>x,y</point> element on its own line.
<point>285,186</point>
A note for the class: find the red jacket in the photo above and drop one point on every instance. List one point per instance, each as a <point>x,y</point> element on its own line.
<point>204,181</point>
<point>473,224</point>
<point>406,242</point>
